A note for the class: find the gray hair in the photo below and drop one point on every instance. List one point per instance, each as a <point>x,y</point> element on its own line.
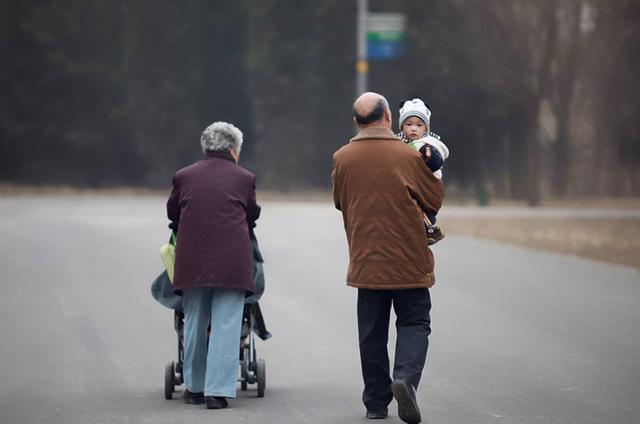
<point>221,137</point>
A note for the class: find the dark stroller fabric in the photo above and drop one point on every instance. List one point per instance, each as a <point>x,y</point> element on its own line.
<point>258,273</point>
<point>259,326</point>
<point>162,291</point>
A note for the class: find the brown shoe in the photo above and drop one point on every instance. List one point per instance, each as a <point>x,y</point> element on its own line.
<point>434,234</point>
<point>196,398</point>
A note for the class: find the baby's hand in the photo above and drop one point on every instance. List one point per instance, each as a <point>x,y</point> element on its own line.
<point>426,151</point>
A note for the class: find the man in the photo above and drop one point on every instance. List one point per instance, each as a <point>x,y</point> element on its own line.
<point>383,187</point>
<point>212,207</point>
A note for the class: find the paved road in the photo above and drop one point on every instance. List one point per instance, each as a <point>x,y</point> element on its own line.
<point>520,336</point>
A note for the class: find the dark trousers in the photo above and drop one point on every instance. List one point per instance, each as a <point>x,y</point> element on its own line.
<point>413,326</point>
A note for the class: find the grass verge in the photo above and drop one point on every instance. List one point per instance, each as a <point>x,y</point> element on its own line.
<point>611,240</point>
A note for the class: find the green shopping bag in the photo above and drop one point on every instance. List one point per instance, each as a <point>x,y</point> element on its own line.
<point>168,256</point>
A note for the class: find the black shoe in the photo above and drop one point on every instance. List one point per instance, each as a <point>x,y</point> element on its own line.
<point>194,398</point>
<point>434,235</point>
<point>377,415</point>
<point>405,394</point>
<point>216,402</point>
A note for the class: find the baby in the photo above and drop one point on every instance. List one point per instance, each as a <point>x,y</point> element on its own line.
<point>414,121</point>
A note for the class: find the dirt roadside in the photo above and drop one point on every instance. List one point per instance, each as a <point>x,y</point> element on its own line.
<point>615,240</point>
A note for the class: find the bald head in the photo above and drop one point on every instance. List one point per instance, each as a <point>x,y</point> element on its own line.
<point>371,109</point>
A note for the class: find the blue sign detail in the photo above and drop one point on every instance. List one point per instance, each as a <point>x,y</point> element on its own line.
<point>385,50</point>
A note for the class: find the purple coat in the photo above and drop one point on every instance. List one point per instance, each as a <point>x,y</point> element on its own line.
<point>212,206</point>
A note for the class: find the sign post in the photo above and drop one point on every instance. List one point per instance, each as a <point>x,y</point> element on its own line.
<point>362,66</point>
<point>380,36</point>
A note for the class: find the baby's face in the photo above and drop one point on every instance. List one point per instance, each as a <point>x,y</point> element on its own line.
<point>414,128</point>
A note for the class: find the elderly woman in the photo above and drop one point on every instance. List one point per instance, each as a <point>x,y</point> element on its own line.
<point>212,207</point>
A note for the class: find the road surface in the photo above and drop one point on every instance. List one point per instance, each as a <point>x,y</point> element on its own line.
<point>519,335</point>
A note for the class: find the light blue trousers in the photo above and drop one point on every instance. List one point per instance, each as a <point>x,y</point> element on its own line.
<point>213,369</point>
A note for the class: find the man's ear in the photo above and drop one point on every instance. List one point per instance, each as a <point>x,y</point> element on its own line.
<point>388,115</point>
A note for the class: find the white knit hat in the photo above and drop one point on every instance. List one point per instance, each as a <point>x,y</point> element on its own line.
<point>415,107</point>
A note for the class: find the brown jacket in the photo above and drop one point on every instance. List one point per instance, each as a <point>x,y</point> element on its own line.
<point>383,187</point>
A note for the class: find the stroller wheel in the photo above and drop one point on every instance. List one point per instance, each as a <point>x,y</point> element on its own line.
<point>244,369</point>
<point>169,380</point>
<point>261,372</point>
<point>178,374</point>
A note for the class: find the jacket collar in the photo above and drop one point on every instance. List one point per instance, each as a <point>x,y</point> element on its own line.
<point>210,154</point>
<point>374,133</point>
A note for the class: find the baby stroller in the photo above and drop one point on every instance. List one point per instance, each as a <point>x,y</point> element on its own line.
<point>252,369</point>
